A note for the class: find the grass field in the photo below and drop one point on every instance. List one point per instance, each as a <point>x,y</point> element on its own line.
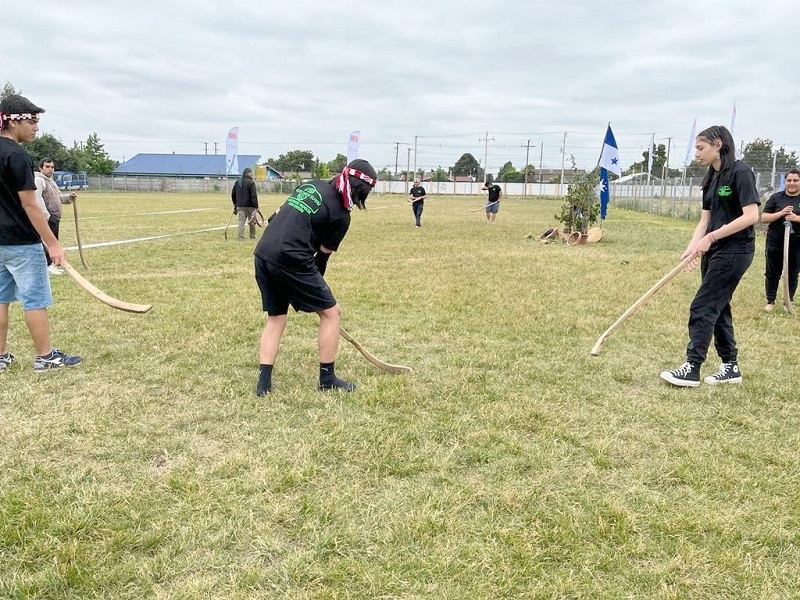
<point>509,464</point>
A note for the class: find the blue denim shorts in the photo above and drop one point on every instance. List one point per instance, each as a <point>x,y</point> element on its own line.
<point>23,276</point>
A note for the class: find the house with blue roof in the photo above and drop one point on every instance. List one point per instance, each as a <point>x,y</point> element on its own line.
<point>192,165</point>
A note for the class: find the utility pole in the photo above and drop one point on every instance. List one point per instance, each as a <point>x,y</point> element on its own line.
<point>772,183</point>
<point>396,152</point>
<point>215,147</point>
<point>415,156</point>
<point>485,141</point>
<point>527,153</point>
<point>563,157</point>
<point>408,164</point>
<point>205,145</point>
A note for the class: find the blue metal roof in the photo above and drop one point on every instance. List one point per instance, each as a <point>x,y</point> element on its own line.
<point>186,165</point>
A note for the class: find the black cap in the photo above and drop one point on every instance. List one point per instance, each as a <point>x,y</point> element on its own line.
<point>18,105</point>
<point>364,167</point>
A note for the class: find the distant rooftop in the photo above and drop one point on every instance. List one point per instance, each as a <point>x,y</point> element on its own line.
<point>182,165</point>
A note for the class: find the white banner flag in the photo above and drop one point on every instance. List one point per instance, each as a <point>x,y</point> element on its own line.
<point>232,152</point>
<point>650,153</point>
<point>352,146</point>
<point>690,150</point>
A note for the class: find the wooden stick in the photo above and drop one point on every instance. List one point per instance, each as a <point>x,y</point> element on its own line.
<point>371,358</point>
<point>787,299</point>
<point>102,296</point>
<point>484,207</point>
<point>638,304</point>
<point>78,232</point>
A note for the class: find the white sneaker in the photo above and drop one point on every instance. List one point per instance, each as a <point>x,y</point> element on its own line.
<point>54,270</point>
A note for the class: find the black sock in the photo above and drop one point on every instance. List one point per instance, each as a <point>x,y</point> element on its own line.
<point>327,375</point>
<point>264,380</point>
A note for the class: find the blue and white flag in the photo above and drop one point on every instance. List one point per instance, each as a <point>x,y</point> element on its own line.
<point>604,193</point>
<point>609,157</point>
<point>782,184</point>
<point>650,153</point>
<point>232,152</point>
<point>690,149</point>
<point>352,146</point>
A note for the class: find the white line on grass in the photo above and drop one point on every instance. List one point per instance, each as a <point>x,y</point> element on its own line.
<point>165,212</point>
<point>144,239</point>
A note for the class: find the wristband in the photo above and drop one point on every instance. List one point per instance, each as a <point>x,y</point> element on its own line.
<point>713,237</point>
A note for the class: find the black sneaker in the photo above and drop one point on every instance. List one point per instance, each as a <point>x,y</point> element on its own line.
<point>337,384</point>
<point>687,375</point>
<point>728,373</point>
<point>6,360</point>
<point>55,360</point>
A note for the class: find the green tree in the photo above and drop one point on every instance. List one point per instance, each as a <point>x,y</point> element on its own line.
<point>759,155</point>
<point>98,162</point>
<point>293,161</point>
<point>509,174</point>
<point>8,90</point>
<point>337,164</point>
<point>439,174</point>
<point>47,145</point>
<point>467,165</point>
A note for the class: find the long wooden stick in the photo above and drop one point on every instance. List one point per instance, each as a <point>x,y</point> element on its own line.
<point>371,358</point>
<point>638,304</point>
<point>78,232</point>
<point>787,299</point>
<point>484,207</point>
<point>102,296</point>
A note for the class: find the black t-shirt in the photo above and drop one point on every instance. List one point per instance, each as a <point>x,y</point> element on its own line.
<point>311,217</point>
<point>494,193</point>
<point>16,175</point>
<point>416,192</point>
<point>727,193</point>
<point>776,203</point>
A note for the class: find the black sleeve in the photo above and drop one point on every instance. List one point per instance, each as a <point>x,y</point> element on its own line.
<point>745,183</point>
<point>771,205</point>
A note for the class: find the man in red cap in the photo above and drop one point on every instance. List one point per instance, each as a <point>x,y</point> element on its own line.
<point>290,261</point>
<point>23,228</point>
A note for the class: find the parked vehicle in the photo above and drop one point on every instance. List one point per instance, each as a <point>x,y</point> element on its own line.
<point>69,180</point>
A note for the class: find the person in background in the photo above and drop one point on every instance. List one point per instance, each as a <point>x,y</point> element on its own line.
<point>245,200</point>
<point>417,197</point>
<point>724,240</point>
<point>493,202</point>
<point>23,228</point>
<point>290,263</point>
<point>781,207</point>
<point>47,192</point>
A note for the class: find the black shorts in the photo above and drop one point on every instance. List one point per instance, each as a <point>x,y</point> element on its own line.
<point>280,287</point>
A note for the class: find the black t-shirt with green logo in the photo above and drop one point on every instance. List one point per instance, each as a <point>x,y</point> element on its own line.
<point>494,193</point>
<point>417,191</point>
<point>725,196</point>
<point>311,217</point>
<point>776,203</point>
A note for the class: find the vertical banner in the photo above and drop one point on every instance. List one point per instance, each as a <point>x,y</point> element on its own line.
<point>650,154</point>
<point>690,149</point>
<point>352,146</point>
<point>232,152</point>
<point>609,161</point>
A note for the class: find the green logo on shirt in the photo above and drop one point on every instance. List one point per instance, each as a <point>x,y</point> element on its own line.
<point>306,199</point>
<point>724,191</point>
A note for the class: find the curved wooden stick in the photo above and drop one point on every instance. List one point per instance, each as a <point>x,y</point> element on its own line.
<point>638,304</point>
<point>102,296</point>
<point>484,207</point>
<point>371,358</point>
<point>78,232</point>
<point>787,299</point>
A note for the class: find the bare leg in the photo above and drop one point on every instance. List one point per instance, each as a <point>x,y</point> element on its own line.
<point>3,328</point>
<point>328,336</point>
<point>39,326</point>
<point>271,339</point>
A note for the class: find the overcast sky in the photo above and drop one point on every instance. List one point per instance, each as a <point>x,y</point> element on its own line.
<point>173,75</point>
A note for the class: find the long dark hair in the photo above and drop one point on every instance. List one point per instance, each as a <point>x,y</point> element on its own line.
<point>727,152</point>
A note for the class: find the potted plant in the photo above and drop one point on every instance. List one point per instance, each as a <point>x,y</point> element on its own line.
<point>581,208</point>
